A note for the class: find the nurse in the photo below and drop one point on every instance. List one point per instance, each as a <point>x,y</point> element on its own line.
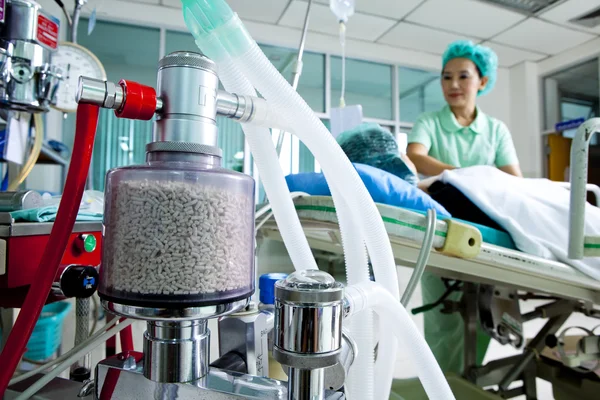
<point>457,136</point>
<point>460,134</point>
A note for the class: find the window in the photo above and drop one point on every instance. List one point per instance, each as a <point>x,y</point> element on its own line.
<point>571,93</point>
<point>179,41</point>
<point>311,85</point>
<point>575,109</point>
<point>420,91</point>
<point>368,84</point>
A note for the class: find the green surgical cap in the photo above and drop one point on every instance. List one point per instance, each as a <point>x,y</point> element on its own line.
<point>484,58</point>
<point>370,144</point>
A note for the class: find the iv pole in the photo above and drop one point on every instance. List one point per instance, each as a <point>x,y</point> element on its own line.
<point>297,70</point>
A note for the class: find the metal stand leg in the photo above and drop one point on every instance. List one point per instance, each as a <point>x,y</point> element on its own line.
<point>469,314</point>
<point>529,383</point>
<point>534,347</point>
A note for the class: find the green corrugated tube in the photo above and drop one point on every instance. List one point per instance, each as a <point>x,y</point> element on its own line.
<point>216,28</point>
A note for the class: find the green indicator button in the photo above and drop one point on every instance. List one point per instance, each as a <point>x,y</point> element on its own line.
<point>89,243</point>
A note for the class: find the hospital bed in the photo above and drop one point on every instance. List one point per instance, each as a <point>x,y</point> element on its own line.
<point>494,279</point>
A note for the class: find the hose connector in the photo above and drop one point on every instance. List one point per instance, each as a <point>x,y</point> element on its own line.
<point>355,299</point>
<point>249,109</point>
<point>129,99</point>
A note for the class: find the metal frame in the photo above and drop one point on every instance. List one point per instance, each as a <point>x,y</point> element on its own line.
<point>494,265</point>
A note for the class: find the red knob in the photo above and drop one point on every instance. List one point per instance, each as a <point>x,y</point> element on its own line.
<point>140,101</point>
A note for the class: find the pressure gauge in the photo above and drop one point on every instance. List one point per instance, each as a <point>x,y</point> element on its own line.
<point>74,61</point>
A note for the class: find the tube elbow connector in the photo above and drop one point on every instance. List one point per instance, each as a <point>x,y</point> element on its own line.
<point>250,110</point>
<point>356,298</point>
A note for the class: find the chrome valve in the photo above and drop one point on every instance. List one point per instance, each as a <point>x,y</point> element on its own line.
<point>308,330</point>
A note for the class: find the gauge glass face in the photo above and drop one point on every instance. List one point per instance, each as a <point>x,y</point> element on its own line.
<point>74,61</point>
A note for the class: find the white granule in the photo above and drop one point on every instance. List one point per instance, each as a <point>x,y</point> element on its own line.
<point>168,238</point>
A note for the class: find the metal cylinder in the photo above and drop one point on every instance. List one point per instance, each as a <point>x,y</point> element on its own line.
<point>308,330</point>
<point>187,85</point>
<point>91,91</point>
<point>22,20</point>
<point>101,93</point>
<point>240,108</point>
<point>13,201</point>
<point>176,352</point>
<point>306,384</point>
<point>335,376</point>
<point>308,313</point>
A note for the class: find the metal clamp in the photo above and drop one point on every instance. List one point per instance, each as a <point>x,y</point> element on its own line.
<point>101,93</point>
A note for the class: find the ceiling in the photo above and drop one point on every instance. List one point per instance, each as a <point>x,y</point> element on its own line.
<point>429,25</point>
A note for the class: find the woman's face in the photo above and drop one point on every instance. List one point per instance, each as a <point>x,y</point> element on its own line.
<point>461,82</point>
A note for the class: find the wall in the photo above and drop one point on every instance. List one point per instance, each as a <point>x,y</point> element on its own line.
<point>525,113</point>
<point>497,102</point>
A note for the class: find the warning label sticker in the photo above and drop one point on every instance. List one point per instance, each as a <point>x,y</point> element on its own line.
<point>47,31</point>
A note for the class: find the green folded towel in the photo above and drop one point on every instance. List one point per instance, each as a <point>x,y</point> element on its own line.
<point>48,214</point>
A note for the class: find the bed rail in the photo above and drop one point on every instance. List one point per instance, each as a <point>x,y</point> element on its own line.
<point>579,245</point>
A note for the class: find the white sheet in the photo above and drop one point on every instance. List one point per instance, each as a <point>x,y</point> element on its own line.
<point>535,212</point>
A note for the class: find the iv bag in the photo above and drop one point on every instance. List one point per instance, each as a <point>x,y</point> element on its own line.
<point>345,118</point>
<point>343,9</point>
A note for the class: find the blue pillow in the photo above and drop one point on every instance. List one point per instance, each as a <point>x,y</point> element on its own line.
<point>385,188</point>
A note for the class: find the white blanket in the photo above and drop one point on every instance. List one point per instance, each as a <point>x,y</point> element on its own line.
<point>535,212</point>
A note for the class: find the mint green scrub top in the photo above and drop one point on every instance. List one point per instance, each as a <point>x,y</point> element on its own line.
<point>487,141</point>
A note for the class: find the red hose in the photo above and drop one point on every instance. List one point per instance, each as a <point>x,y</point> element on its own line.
<point>87,119</point>
<point>111,343</point>
<point>110,384</point>
<point>126,337</point>
<point>112,376</point>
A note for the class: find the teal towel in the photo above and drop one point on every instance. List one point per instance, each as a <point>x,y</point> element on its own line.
<point>48,214</point>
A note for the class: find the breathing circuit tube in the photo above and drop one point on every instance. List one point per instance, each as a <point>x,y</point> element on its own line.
<point>265,157</point>
<point>371,295</point>
<point>360,382</point>
<point>87,119</point>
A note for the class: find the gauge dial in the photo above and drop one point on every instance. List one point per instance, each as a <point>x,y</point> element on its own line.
<point>74,61</point>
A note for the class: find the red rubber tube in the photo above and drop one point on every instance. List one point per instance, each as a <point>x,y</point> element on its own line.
<point>85,131</point>
<point>110,384</point>
<point>126,337</point>
<point>111,343</point>
<point>112,377</point>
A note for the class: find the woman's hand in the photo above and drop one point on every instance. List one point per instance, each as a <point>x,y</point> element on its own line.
<point>425,164</point>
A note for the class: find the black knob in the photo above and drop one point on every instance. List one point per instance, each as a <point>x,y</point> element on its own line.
<point>79,281</point>
<point>551,341</point>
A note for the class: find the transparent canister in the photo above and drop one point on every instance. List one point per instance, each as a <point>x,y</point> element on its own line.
<point>178,231</point>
